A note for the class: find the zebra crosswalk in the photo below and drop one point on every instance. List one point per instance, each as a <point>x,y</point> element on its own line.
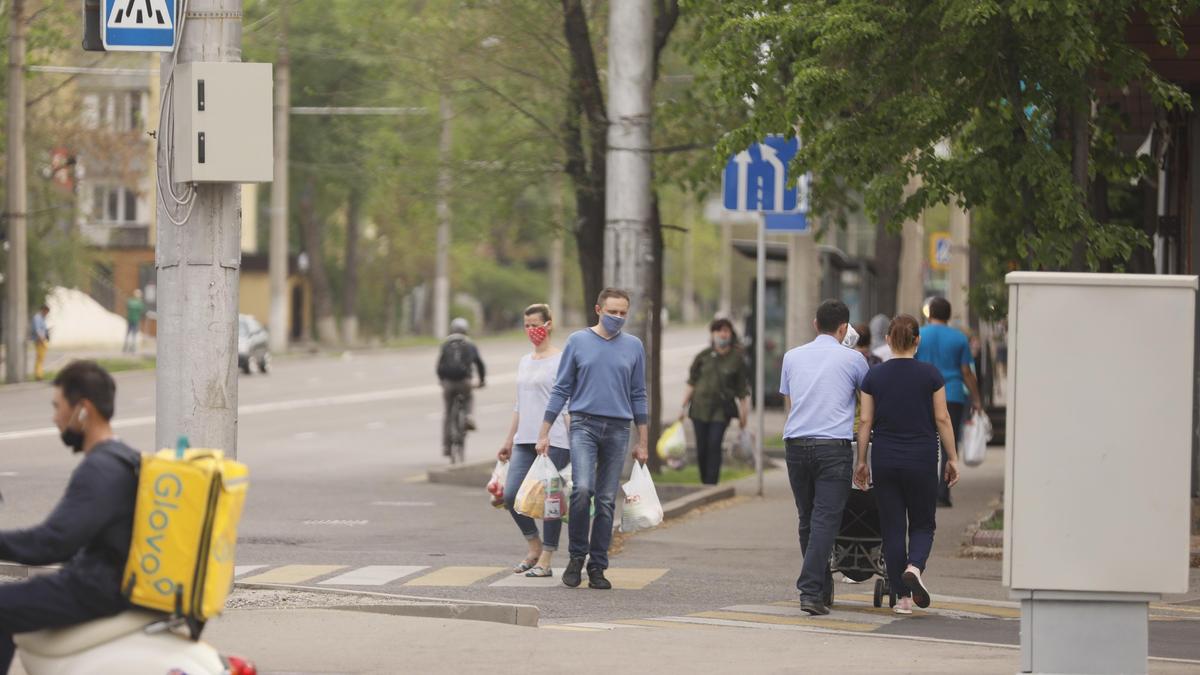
<point>424,576</point>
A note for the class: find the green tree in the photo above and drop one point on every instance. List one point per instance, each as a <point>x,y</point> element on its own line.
<point>1000,103</point>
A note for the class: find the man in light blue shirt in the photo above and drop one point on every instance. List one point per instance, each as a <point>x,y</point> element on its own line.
<point>819,384</point>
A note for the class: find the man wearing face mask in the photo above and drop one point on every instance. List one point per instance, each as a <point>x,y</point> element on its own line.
<point>819,383</point>
<point>603,375</point>
<point>90,528</point>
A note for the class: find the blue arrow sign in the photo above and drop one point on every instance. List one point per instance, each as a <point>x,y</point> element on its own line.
<point>138,25</point>
<point>756,179</point>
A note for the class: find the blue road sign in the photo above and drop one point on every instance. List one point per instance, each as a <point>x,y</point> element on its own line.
<point>138,25</point>
<point>786,222</point>
<point>756,179</point>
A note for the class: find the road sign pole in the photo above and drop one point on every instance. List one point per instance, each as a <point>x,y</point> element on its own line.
<point>198,265</point>
<point>760,350</point>
<point>277,256</point>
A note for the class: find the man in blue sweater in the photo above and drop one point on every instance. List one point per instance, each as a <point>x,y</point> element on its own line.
<point>603,375</point>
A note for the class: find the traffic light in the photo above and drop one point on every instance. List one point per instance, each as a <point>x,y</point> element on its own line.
<point>91,26</point>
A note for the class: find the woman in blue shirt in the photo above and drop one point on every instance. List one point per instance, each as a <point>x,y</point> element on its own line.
<point>903,416</point>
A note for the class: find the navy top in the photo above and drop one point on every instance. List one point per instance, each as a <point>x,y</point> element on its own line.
<point>904,433</point>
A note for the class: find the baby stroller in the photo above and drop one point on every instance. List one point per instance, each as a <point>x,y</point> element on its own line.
<point>858,548</point>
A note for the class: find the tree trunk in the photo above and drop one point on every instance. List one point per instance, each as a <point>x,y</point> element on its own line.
<point>326,322</point>
<point>887,268</point>
<point>350,279</point>
<point>654,304</point>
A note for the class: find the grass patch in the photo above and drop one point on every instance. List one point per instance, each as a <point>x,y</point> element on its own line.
<point>690,475</point>
<point>996,522</point>
<point>116,364</point>
<point>775,441</point>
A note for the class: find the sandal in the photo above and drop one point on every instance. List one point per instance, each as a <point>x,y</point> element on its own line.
<point>539,571</point>
<point>524,566</point>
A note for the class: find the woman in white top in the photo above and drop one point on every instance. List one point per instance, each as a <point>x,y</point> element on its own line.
<point>535,379</point>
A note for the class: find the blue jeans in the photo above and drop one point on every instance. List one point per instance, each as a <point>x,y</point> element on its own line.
<point>598,449</point>
<point>518,467</point>
<point>820,478</point>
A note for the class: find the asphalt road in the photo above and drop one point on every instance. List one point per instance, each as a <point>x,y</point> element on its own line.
<point>338,447</point>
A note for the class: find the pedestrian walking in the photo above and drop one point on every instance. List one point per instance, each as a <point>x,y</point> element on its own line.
<point>819,383</point>
<point>718,390</point>
<point>879,328</point>
<point>535,379</point>
<point>864,345</point>
<point>135,309</point>
<point>39,332</point>
<point>457,359</point>
<point>603,375</point>
<point>948,349</point>
<point>903,413</point>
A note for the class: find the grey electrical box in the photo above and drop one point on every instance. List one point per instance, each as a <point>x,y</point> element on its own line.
<point>223,123</point>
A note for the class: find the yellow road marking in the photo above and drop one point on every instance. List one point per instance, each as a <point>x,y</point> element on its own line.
<point>835,624</point>
<point>456,576</point>
<point>575,629</point>
<point>973,608</point>
<point>292,574</point>
<point>655,623</point>
<point>1175,608</point>
<point>633,579</point>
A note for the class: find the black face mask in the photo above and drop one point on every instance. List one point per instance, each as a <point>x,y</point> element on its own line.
<point>73,438</point>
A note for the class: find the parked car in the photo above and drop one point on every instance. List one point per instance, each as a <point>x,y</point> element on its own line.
<point>252,345</point>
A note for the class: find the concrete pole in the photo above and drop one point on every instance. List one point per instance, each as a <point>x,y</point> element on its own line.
<point>17,272</point>
<point>198,265</point>
<point>556,253</point>
<point>910,292</point>
<point>960,264</point>
<point>803,288</point>
<point>277,255</point>
<point>441,282</point>
<point>725,306</point>
<point>760,349</point>
<point>627,200</point>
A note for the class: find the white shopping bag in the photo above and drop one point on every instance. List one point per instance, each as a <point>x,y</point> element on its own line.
<point>976,433</point>
<point>495,486</point>
<point>541,493</point>
<point>642,509</point>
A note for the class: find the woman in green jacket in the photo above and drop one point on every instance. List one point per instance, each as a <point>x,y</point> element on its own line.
<point>718,390</point>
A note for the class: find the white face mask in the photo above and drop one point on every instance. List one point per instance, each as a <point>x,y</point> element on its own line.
<point>851,339</point>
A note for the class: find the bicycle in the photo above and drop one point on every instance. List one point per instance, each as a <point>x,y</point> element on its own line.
<point>457,427</point>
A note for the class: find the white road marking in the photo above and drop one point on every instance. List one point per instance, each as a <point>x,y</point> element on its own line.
<point>304,436</point>
<point>306,403</point>
<point>337,523</point>
<point>402,504</point>
<point>374,575</point>
<point>239,570</point>
<point>9,474</point>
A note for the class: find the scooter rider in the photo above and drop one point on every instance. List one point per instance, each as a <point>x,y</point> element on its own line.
<point>90,528</point>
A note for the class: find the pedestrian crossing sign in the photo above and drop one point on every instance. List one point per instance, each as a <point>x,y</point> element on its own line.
<point>138,25</point>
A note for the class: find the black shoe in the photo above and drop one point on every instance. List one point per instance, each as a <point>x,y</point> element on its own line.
<point>945,503</point>
<point>571,576</point>
<point>470,425</point>
<point>596,579</point>
<point>813,607</point>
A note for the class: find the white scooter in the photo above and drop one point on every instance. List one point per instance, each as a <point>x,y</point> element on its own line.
<point>135,642</point>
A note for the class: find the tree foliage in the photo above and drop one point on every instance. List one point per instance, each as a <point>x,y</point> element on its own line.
<point>996,103</point>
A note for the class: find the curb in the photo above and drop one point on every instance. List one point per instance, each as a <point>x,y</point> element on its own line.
<point>678,507</point>
<point>428,608</point>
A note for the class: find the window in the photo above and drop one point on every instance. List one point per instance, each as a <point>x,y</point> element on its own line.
<point>114,110</point>
<point>114,204</point>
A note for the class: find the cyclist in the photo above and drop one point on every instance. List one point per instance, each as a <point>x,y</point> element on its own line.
<point>457,357</point>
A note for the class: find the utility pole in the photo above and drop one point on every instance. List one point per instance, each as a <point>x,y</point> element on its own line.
<point>198,265</point>
<point>17,273</point>
<point>556,252</point>
<point>627,199</point>
<point>441,282</point>
<point>277,254</point>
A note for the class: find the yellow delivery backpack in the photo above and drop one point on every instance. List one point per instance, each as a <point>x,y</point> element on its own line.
<point>184,532</point>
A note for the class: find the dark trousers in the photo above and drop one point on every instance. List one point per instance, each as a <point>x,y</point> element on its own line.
<point>709,437</point>
<point>820,477</point>
<point>907,499</point>
<point>956,411</point>
<point>47,601</point>
<point>450,389</point>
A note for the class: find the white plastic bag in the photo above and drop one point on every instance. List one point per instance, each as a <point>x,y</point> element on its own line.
<point>975,436</point>
<point>672,442</point>
<point>495,486</point>
<point>642,509</point>
<point>744,447</point>
<point>541,494</point>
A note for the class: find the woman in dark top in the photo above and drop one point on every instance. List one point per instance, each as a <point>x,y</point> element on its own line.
<point>903,415</point>
<point>718,390</point>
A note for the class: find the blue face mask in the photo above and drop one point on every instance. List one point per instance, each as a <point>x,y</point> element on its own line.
<point>612,324</point>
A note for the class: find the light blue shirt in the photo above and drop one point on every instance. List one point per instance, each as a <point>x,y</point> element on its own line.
<point>40,332</point>
<point>821,378</point>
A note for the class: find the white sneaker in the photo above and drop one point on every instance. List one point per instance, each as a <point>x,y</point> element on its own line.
<point>903,606</point>
<point>920,594</point>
